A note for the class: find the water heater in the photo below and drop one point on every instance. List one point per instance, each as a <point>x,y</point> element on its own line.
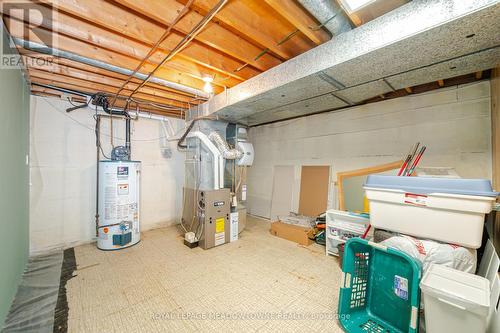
<point>119,186</point>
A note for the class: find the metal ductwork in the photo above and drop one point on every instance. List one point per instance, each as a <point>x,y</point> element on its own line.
<point>420,42</point>
<point>40,48</point>
<point>329,14</point>
<point>227,153</point>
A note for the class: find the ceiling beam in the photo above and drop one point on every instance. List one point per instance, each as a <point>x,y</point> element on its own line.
<point>44,91</point>
<point>93,52</point>
<point>212,35</point>
<point>92,34</point>
<point>62,81</point>
<point>297,16</point>
<point>189,70</point>
<point>43,58</point>
<point>256,21</point>
<point>127,23</point>
<point>91,77</point>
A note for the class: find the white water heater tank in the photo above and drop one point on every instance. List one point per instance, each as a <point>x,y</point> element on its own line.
<point>119,188</point>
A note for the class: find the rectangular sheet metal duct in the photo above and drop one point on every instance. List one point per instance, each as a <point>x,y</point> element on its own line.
<point>417,43</point>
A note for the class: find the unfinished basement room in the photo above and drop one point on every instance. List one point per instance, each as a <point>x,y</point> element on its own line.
<point>250,166</point>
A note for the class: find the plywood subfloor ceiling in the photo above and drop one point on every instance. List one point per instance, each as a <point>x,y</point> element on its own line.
<point>243,39</point>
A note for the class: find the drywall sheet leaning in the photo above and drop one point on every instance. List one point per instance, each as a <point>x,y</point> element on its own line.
<point>281,203</point>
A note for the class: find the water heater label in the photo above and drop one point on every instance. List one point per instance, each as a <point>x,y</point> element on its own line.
<point>122,171</point>
<point>123,189</point>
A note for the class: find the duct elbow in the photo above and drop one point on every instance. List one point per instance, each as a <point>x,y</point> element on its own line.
<point>227,153</point>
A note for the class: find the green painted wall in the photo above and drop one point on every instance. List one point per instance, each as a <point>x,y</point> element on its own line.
<point>14,183</point>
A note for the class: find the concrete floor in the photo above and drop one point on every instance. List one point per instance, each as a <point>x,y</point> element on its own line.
<point>161,285</point>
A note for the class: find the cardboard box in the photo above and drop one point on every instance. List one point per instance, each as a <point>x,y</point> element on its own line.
<point>294,233</point>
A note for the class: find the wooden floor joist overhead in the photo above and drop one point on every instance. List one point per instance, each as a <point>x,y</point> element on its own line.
<point>300,19</point>
<point>126,22</point>
<point>71,72</point>
<point>244,39</point>
<point>87,86</point>
<point>247,19</point>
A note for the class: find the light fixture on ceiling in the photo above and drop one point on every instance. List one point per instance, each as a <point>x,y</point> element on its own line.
<point>354,5</point>
<point>207,87</point>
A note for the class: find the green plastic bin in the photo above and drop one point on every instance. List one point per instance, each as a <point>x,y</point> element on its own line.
<point>379,291</point>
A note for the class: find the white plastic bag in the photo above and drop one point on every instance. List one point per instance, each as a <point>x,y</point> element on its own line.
<point>427,252</point>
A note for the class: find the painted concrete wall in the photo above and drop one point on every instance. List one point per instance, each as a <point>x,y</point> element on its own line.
<point>454,123</point>
<point>14,125</point>
<point>63,173</point>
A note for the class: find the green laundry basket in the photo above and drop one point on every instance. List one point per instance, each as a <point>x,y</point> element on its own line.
<point>379,291</point>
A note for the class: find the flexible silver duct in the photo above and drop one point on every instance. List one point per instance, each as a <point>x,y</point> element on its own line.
<point>40,48</point>
<point>227,153</point>
<point>329,14</point>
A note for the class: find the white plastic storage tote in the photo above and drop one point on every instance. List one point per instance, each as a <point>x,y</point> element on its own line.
<point>455,301</point>
<point>447,210</point>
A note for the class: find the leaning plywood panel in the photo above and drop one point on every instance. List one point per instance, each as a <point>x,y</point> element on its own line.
<point>314,183</point>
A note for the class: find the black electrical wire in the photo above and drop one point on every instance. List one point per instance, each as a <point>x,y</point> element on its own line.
<point>98,134</point>
<point>180,144</point>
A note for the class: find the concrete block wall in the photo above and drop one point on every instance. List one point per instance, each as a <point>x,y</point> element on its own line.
<point>453,122</point>
<point>63,173</point>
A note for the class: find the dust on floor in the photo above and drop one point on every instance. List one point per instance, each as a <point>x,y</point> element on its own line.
<point>259,283</point>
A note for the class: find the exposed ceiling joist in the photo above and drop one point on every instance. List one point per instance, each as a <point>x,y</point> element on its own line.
<point>183,73</point>
<point>34,62</point>
<point>102,41</point>
<point>382,57</point>
<point>46,92</point>
<point>291,11</point>
<point>58,79</point>
<point>113,82</point>
<point>213,35</point>
<point>125,22</point>
<point>247,19</point>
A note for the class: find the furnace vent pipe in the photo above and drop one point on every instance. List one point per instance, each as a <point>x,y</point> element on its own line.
<point>227,153</point>
<point>329,14</point>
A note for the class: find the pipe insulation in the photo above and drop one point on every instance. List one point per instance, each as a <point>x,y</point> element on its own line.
<point>40,48</point>
<point>227,153</point>
<point>329,14</point>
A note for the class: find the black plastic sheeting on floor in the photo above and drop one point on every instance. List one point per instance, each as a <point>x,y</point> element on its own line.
<point>61,313</point>
<point>40,304</point>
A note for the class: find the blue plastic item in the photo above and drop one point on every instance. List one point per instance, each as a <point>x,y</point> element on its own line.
<point>427,185</point>
<point>379,291</point>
